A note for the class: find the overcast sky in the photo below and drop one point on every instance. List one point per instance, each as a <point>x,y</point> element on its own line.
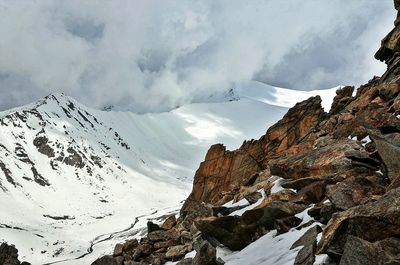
<point>155,55</point>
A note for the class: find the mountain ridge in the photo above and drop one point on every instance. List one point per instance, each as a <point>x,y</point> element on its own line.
<point>56,153</point>
<point>317,188</point>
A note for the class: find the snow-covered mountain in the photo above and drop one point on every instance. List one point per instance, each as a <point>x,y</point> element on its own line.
<point>75,180</point>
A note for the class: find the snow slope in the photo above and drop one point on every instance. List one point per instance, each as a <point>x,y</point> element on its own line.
<point>74,181</point>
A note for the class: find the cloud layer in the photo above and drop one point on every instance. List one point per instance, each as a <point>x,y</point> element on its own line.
<point>154,55</point>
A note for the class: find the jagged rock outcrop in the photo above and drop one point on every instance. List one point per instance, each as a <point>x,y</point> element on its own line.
<point>225,171</point>
<point>389,50</point>
<point>374,221</point>
<point>342,166</point>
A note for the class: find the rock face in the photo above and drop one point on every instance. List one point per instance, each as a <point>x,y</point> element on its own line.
<point>389,50</point>
<point>342,168</point>
<point>359,251</point>
<point>224,171</point>
<point>382,215</point>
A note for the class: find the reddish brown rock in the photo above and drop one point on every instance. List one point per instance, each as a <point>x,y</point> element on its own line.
<point>142,250</point>
<point>169,222</point>
<point>316,163</point>
<point>312,193</point>
<point>118,249</point>
<point>161,235</point>
<point>283,195</point>
<point>163,244</point>
<point>225,170</point>
<point>130,244</point>
<point>176,252</point>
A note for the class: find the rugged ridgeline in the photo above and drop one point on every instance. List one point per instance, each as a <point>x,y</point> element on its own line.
<point>329,180</point>
<point>340,169</point>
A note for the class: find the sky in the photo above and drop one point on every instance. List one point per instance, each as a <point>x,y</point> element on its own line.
<point>152,56</point>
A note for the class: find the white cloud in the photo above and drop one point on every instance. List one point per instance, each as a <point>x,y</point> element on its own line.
<point>154,55</point>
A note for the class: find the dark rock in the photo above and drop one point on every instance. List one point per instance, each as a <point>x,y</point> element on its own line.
<point>362,158</point>
<point>199,238</point>
<point>354,190</point>
<point>187,261</point>
<point>372,222</point>
<point>8,255</point>
<point>253,197</point>
<point>220,261</point>
<point>105,260</point>
<point>283,225</point>
<point>394,184</point>
<point>306,255</point>
<point>389,150</point>
<point>151,227</point>
<point>315,211</point>
<point>306,224</point>
<point>157,259</point>
<point>74,159</point>
<point>130,244</point>
<point>119,260</point>
<point>237,232</point>
<point>41,143</point>
<point>312,193</point>
<point>206,255</point>
<point>298,184</point>
<point>342,98</point>
<point>327,210</point>
<point>142,250</point>
<point>361,252</point>
<point>118,249</point>
<point>193,209</point>
<point>131,262</point>
<point>308,238</point>
<point>223,211</point>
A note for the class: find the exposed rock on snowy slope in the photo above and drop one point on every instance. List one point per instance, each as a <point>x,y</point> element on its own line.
<point>312,172</point>
<point>78,180</point>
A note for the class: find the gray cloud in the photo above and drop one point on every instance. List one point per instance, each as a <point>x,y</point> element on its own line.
<point>154,55</point>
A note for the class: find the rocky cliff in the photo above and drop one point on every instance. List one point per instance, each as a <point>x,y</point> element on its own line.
<point>342,169</point>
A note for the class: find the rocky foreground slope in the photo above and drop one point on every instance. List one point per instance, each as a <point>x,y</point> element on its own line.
<point>335,176</point>
<point>341,167</point>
